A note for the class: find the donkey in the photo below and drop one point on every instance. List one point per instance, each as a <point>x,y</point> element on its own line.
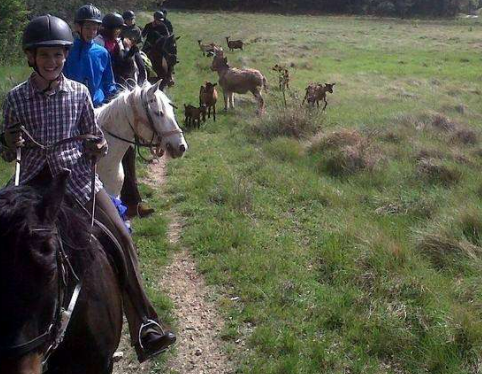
<point>240,81</point>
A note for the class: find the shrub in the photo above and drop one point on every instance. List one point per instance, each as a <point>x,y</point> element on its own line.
<point>13,16</point>
<point>290,122</point>
<point>435,172</point>
<point>464,136</point>
<point>344,152</point>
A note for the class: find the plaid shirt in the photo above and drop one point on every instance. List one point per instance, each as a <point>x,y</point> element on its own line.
<point>49,118</point>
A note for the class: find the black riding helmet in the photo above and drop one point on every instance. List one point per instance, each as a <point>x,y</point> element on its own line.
<point>159,15</point>
<point>128,14</point>
<point>47,31</point>
<point>88,13</point>
<point>113,21</point>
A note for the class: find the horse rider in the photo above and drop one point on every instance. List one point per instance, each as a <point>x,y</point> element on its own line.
<point>49,108</point>
<point>154,30</point>
<point>88,62</point>
<point>109,37</point>
<point>119,50</point>
<point>130,30</point>
<point>167,22</point>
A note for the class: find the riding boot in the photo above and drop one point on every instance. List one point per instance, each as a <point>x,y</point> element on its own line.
<point>147,334</point>
<point>130,195</point>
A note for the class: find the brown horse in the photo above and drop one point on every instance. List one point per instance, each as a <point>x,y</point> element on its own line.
<point>163,56</point>
<point>47,255</point>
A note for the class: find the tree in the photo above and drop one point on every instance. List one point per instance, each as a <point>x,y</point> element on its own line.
<point>13,14</point>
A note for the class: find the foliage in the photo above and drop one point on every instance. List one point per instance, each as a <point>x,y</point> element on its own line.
<point>66,8</point>
<point>13,15</point>
<point>401,8</point>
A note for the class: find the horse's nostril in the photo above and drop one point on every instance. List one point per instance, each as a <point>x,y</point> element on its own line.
<point>182,148</point>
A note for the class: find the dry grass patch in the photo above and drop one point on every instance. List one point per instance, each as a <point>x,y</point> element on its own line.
<point>345,152</point>
<point>465,137</point>
<point>289,122</point>
<point>435,172</point>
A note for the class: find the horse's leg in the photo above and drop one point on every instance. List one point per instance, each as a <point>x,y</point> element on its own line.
<point>326,103</point>
<point>231,100</point>
<point>214,112</point>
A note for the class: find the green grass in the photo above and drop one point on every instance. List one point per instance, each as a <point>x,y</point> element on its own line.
<point>322,266</point>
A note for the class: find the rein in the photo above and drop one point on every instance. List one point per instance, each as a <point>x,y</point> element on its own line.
<point>60,142</point>
<point>55,333</point>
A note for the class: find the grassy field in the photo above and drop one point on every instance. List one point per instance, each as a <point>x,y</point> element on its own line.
<point>344,242</point>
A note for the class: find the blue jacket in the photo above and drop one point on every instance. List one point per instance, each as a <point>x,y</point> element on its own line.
<point>90,64</point>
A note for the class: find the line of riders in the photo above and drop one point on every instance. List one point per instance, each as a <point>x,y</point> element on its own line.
<point>71,77</point>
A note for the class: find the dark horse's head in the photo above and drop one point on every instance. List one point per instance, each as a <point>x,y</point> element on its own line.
<point>163,56</point>
<point>31,222</point>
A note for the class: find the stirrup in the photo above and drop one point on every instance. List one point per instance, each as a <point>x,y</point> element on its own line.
<point>146,324</point>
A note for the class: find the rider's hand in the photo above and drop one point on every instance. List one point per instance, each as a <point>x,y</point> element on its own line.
<point>96,148</point>
<point>13,137</point>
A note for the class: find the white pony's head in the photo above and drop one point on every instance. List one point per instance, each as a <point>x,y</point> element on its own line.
<point>158,112</point>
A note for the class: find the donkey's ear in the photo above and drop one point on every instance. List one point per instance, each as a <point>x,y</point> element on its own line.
<point>53,196</point>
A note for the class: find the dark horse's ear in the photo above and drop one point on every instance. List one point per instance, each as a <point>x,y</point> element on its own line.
<point>53,196</point>
<point>178,38</point>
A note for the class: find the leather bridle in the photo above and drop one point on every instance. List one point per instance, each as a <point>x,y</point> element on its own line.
<point>139,141</point>
<point>64,306</point>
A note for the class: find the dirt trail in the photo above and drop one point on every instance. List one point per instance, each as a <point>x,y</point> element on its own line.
<point>199,349</point>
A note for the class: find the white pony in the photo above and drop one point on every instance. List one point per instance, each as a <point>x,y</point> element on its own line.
<point>144,114</point>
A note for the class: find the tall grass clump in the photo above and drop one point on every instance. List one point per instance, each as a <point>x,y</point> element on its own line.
<point>344,152</point>
<point>454,242</point>
<point>288,122</point>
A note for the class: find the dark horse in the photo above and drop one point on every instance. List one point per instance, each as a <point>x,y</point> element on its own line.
<point>46,248</point>
<point>163,56</point>
<point>129,68</point>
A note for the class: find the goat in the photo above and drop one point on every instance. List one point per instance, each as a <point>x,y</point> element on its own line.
<point>240,81</point>
<point>234,44</point>
<point>208,96</point>
<point>194,115</point>
<point>315,92</point>
<point>207,49</point>
<point>283,77</point>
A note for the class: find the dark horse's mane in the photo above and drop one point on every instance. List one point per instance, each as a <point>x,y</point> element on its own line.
<point>20,211</point>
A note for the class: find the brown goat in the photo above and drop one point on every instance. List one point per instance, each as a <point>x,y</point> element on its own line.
<point>194,115</point>
<point>208,96</point>
<point>315,92</point>
<point>234,44</point>
<point>240,81</point>
<point>207,49</point>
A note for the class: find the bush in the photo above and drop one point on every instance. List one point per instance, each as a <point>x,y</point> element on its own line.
<point>344,152</point>
<point>290,122</point>
<point>385,8</point>
<point>13,16</point>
